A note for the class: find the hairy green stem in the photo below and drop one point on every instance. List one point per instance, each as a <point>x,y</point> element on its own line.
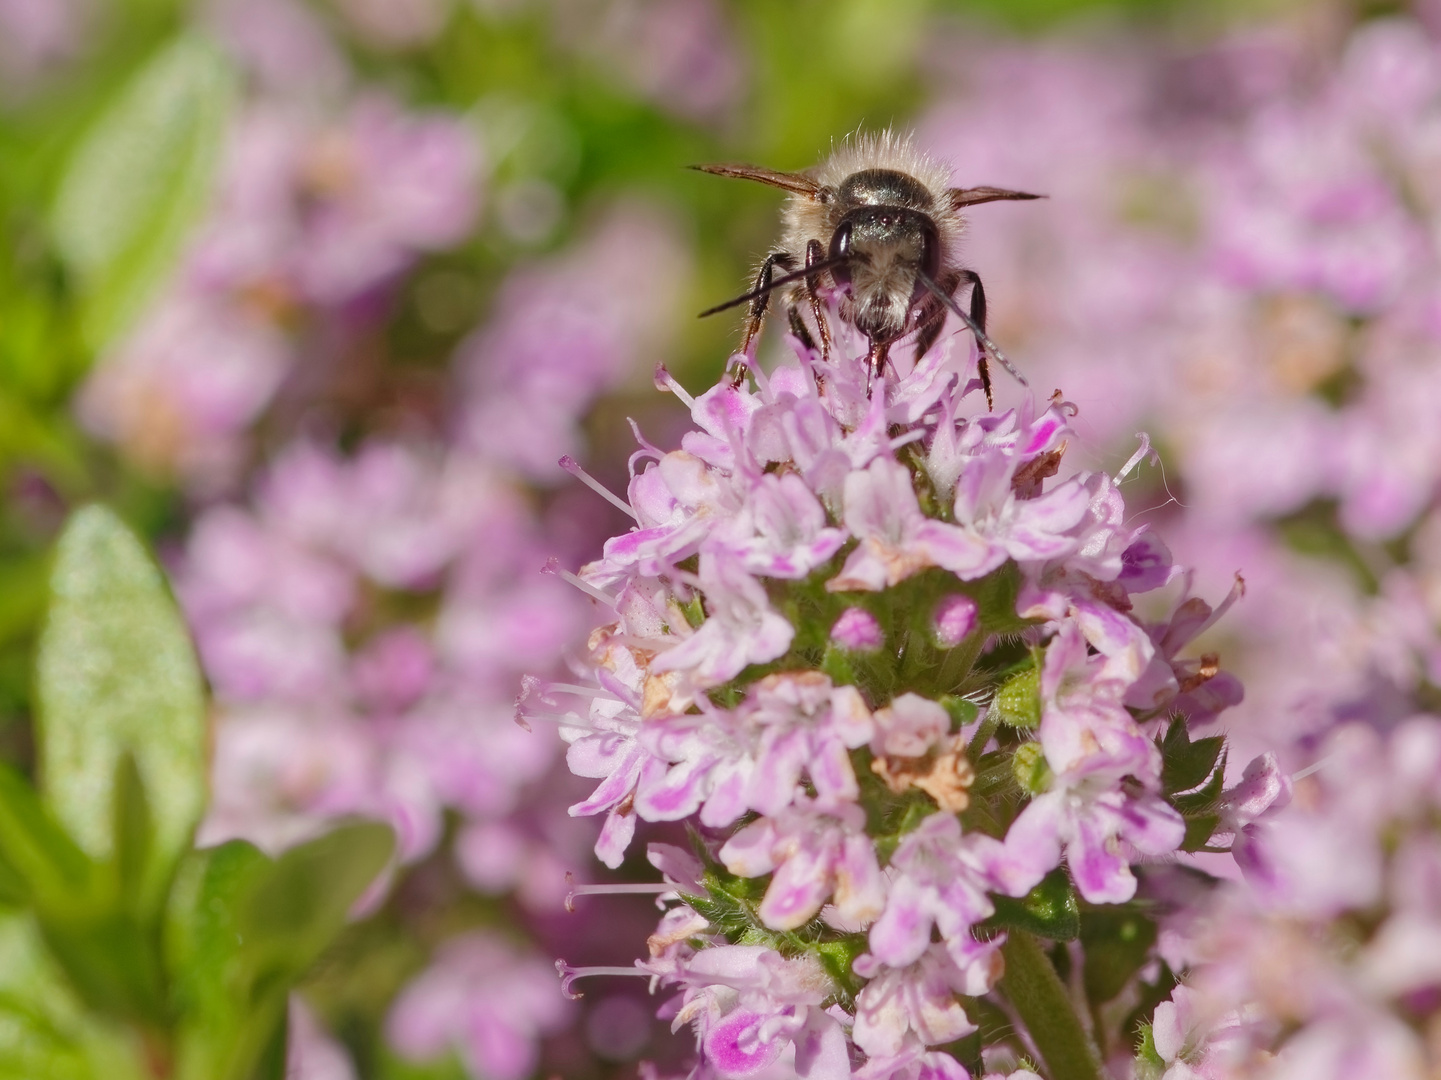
<point>1033,987</point>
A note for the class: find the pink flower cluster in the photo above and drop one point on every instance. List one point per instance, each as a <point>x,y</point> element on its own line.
<point>1267,210</point>
<point>1239,254</point>
<point>810,615</point>
<point>1328,963</point>
<point>565,330</point>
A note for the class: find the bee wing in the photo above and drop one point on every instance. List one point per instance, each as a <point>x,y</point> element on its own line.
<point>793,182</point>
<point>972,195</point>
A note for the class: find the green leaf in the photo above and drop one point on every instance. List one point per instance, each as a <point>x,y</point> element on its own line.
<point>1032,771</point>
<point>1186,764</point>
<point>242,929</point>
<point>201,940</point>
<point>116,674</point>
<point>45,1033</point>
<point>995,595</point>
<point>1050,910</point>
<point>40,853</point>
<point>110,959</point>
<point>222,1030</point>
<point>138,179</point>
<point>1116,944</point>
<point>14,891</point>
<point>1199,830</point>
<point>133,827</point>
<point>1205,800</point>
<point>298,906</point>
<point>1149,1064</point>
<point>839,957</point>
<point>273,1058</point>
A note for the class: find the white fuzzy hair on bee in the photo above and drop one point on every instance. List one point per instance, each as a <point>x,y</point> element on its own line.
<point>873,233</point>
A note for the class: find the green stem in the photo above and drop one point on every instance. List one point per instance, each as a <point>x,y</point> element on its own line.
<point>1033,987</point>
<point>977,746</point>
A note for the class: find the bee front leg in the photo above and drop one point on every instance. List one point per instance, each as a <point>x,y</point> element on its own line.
<point>978,315</point>
<point>877,356</point>
<point>815,254</point>
<point>935,319</point>
<point>756,316</point>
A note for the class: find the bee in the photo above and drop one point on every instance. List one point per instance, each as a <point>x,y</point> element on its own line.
<point>876,228</point>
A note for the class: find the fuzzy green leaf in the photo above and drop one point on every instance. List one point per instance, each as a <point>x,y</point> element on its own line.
<point>296,907</point>
<point>1186,764</point>
<point>1149,1063</point>
<point>1199,830</point>
<point>46,863</point>
<point>1206,799</point>
<point>961,711</point>
<point>1045,1007</point>
<point>45,1033</point>
<point>222,1031</point>
<point>138,179</point>
<point>116,676</point>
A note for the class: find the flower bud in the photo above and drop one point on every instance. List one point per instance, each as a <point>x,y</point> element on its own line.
<point>857,630</point>
<point>955,618</point>
<point>1031,769</point>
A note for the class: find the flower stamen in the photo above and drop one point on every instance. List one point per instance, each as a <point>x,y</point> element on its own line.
<point>569,974</point>
<point>570,465</point>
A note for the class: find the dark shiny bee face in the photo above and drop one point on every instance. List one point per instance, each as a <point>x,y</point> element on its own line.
<point>877,251</point>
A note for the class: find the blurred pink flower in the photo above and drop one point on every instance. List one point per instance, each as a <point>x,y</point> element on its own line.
<point>1239,253</point>
<point>1286,987</point>
<point>485,999</point>
<point>36,35</point>
<point>565,332</point>
<point>311,1054</point>
<point>311,214</point>
<point>329,704</point>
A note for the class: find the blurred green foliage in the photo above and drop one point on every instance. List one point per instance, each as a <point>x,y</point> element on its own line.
<point>129,953</point>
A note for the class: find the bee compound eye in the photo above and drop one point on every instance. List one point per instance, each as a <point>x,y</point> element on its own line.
<point>841,249</point>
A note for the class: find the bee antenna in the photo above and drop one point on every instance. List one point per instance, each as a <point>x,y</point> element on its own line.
<point>776,283</point>
<point>981,339</point>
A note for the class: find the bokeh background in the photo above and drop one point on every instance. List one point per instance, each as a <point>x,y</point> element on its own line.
<point>317,292</point>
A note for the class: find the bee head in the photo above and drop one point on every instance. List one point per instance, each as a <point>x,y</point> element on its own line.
<point>877,252</point>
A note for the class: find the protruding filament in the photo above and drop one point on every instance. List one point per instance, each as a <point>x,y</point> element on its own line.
<point>570,465</point>
<point>628,889</point>
<point>552,567</point>
<point>569,974</point>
